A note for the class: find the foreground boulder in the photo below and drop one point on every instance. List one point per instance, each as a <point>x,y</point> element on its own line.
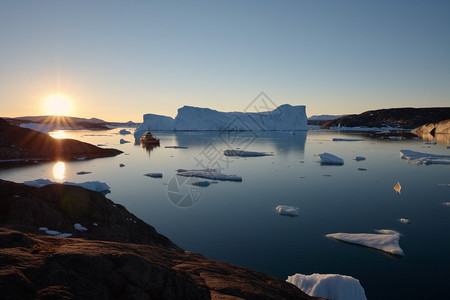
<point>20,144</point>
<point>120,257</point>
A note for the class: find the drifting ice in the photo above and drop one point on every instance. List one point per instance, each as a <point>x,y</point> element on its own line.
<point>286,210</point>
<point>385,240</point>
<point>243,153</point>
<point>330,286</point>
<point>89,185</point>
<point>209,174</point>
<point>346,140</point>
<point>330,159</point>
<point>419,158</point>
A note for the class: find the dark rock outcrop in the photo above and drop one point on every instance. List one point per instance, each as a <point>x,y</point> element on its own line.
<point>20,144</point>
<point>408,118</point>
<point>120,258</point>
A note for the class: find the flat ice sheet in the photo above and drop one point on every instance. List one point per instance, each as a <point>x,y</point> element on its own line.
<point>419,158</point>
<point>330,286</point>
<point>209,174</point>
<point>89,185</point>
<point>243,153</point>
<point>385,240</point>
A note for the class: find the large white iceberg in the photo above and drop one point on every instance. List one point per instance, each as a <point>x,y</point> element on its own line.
<point>284,117</point>
<point>419,158</point>
<point>330,286</point>
<point>89,185</point>
<point>330,159</point>
<point>385,240</point>
<point>209,174</point>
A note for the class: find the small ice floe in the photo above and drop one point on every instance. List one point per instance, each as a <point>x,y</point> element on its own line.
<point>346,140</point>
<point>79,227</point>
<point>122,141</point>
<point>65,234</point>
<point>286,210</point>
<point>176,147</point>
<point>385,240</point>
<point>362,169</point>
<point>154,175</point>
<point>430,143</point>
<point>121,165</point>
<point>446,203</point>
<point>83,173</point>
<point>209,174</point>
<point>124,132</point>
<point>89,185</point>
<point>359,158</point>
<point>82,158</point>
<point>396,138</point>
<point>53,232</point>
<point>94,224</point>
<point>243,153</point>
<point>43,228</point>
<point>404,221</point>
<point>330,159</point>
<point>201,183</point>
<point>419,158</point>
<point>16,196</point>
<point>398,188</point>
<point>330,286</point>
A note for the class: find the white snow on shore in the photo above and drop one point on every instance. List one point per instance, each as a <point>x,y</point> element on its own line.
<point>89,185</point>
<point>330,159</point>
<point>243,153</point>
<point>330,286</point>
<point>209,174</point>
<point>286,210</point>
<point>386,240</point>
<point>419,158</point>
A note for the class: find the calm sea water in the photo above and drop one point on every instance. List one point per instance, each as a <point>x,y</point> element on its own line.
<point>236,222</point>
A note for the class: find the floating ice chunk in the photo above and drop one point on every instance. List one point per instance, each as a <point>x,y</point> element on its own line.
<point>446,203</point>
<point>124,132</point>
<point>209,174</point>
<point>330,286</point>
<point>243,153</point>
<point>95,224</point>
<point>65,235</point>
<point>287,210</point>
<point>53,232</point>
<point>419,158</point>
<point>79,227</point>
<point>359,158</point>
<point>89,185</point>
<point>154,175</point>
<point>83,173</point>
<point>43,228</point>
<point>362,169</point>
<point>346,140</point>
<point>404,221</point>
<point>176,147</point>
<point>121,165</point>
<point>386,240</point>
<point>201,183</point>
<point>330,159</point>
<point>398,188</point>
<point>122,141</point>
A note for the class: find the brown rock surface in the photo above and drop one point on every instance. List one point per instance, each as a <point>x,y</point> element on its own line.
<point>121,258</point>
<point>394,117</point>
<point>18,143</point>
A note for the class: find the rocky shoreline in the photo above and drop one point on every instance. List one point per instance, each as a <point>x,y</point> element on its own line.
<point>118,256</point>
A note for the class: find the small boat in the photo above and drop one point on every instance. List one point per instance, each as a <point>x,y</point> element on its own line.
<point>148,139</point>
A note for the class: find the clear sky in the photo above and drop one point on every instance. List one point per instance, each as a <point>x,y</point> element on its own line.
<point>117,60</point>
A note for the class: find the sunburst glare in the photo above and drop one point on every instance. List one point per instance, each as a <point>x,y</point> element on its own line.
<point>57,105</point>
<point>59,170</point>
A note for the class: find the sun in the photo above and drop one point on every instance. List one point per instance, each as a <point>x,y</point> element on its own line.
<point>57,105</point>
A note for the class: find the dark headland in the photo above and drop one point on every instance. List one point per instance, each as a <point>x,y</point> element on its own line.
<point>117,257</point>
<point>19,145</point>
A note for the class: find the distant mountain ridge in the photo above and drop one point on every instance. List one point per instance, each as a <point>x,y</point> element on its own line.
<point>407,118</point>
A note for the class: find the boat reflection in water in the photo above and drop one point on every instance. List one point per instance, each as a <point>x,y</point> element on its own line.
<point>148,141</point>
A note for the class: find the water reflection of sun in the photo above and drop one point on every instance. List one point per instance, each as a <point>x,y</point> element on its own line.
<point>59,134</point>
<point>59,171</point>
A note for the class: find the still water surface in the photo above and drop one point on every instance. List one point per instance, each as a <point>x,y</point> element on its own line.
<point>236,222</point>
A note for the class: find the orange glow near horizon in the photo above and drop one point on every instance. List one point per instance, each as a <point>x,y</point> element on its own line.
<point>57,105</point>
